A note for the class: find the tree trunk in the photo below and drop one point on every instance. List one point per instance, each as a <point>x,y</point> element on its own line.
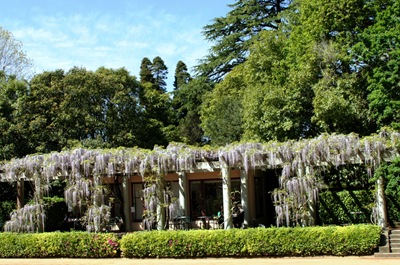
<point>20,193</point>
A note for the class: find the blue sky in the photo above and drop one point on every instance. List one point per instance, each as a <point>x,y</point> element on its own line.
<point>112,33</point>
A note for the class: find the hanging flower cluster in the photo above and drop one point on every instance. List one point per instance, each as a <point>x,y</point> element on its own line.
<point>30,218</point>
<point>296,158</point>
<point>333,149</point>
<point>295,201</point>
<point>97,218</point>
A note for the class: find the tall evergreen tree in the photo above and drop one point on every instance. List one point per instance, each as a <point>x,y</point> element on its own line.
<point>160,72</point>
<point>182,75</point>
<point>145,73</point>
<point>155,102</point>
<point>234,33</point>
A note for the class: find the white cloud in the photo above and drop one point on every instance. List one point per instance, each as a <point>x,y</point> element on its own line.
<point>94,38</point>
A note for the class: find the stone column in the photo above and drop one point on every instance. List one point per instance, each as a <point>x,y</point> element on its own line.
<point>226,195</point>
<point>182,193</point>
<point>381,204</point>
<point>160,188</point>
<point>244,187</point>
<point>126,202</point>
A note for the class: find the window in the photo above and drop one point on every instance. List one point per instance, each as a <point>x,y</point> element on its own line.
<point>206,196</point>
<point>137,204</point>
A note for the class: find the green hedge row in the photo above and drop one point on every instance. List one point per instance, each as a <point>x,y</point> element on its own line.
<point>254,242</point>
<point>59,245</point>
<point>258,242</point>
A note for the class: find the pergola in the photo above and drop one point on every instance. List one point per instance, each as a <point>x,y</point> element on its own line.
<point>84,169</point>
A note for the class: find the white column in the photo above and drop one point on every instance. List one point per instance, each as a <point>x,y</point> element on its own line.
<point>126,202</point>
<point>244,187</point>
<point>160,186</point>
<point>381,203</point>
<point>226,195</point>
<point>182,193</point>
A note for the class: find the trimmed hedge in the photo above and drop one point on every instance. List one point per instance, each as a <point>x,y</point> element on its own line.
<point>253,242</point>
<point>257,242</point>
<point>59,245</point>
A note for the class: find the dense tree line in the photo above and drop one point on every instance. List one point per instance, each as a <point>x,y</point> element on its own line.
<point>278,70</point>
<point>93,109</point>
<point>327,66</point>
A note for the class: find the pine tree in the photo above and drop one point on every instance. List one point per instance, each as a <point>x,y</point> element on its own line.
<point>160,72</point>
<point>182,75</point>
<point>233,34</point>
<point>145,71</point>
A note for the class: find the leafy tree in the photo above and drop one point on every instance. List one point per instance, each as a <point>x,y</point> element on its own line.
<point>13,60</point>
<point>120,107</point>
<point>377,57</point>
<point>331,29</point>
<point>301,79</point>
<point>221,111</point>
<point>103,107</point>
<point>81,107</point>
<point>234,34</point>
<point>277,96</point>
<point>13,135</point>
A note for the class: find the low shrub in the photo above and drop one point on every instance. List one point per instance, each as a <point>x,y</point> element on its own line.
<point>255,242</point>
<point>59,245</point>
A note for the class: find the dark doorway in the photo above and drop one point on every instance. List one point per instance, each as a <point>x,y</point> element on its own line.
<point>265,182</point>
